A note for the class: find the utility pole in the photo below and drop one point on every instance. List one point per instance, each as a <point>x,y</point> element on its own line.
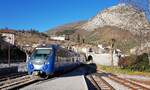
<point>111,51</point>
<point>67,37</point>
<point>78,38</point>
<point>9,55</point>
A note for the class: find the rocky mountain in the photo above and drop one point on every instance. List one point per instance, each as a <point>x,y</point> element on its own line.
<point>122,16</point>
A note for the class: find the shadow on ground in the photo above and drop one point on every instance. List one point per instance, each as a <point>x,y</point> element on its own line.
<point>84,69</point>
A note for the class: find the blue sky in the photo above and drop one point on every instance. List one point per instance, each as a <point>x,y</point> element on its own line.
<point>45,14</point>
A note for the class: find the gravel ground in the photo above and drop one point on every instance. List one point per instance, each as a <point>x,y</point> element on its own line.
<point>137,77</point>
<point>115,85</point>
<point>146,82</point>
<point>143,80</point>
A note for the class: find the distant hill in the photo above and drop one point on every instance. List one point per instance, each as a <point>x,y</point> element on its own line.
<point>67,28</point>
<point>30,37</point>
<point>124,39</point>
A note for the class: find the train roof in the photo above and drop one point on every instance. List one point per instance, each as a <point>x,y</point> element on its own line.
<point>47,46</point>
<point>44,48</point>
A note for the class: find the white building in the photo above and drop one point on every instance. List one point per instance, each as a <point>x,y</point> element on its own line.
<point>103,57</point>
<point>81,48</point>
<point>9,36</point>
<point>61,38</point>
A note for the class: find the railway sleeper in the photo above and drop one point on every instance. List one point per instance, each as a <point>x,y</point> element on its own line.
<point>102,83</point>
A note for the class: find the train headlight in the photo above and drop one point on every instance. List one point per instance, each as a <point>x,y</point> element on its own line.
<point>31,66</point>
<point>45,66</point>
<point>47,62</point>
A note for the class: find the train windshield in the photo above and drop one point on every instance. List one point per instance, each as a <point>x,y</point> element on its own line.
<point>41,54</point>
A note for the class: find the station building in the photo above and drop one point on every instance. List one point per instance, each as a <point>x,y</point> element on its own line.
<point>9,36</point>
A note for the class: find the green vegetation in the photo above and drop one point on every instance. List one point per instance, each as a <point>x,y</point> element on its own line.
<point>117,70</point>
<point>30,37</point>
<point>33,31</point>
<point>125,46</point>
<point>135,63</point>
<point>132,65</point>
<point>66,32</point>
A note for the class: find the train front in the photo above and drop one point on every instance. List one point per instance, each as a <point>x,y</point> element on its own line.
<point>41,62</point>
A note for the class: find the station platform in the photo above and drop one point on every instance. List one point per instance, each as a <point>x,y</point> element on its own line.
<point>61,83</point>
<point>74,80</point>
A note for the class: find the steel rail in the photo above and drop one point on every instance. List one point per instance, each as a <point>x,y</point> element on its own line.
<point>17,82</point>
<point>11,76</point>
<point>125,82</point>
<point>100,83</point>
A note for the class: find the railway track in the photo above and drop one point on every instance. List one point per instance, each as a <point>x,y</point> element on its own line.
<point>127,83</point>
<point>16,83</point>
<point>11,76</point>
<point>100,83</point>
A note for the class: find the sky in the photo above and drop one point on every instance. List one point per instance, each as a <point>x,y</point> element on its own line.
<point>46,14</point>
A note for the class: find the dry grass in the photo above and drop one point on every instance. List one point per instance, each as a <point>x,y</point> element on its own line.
<point>117,70</point>
<point>30,39</point>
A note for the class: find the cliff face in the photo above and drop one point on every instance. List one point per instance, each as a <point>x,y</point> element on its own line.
<point>121,16</point>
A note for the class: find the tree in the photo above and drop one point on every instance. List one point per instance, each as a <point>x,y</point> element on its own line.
<point>83,40</point>
<point>78,38</point>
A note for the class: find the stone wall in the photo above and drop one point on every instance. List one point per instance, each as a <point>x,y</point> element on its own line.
<point>105,59</point>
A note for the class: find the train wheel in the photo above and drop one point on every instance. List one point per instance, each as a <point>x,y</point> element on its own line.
<point>46,77</point>
<point>43,75</point>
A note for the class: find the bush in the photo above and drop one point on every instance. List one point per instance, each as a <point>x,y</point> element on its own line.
<point>128,61</point>
<point>135,63</point>
<point>66,32</point>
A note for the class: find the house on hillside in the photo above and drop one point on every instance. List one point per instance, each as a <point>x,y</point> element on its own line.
<point>84,48</point>
<point>9,36</point>
<point>59,38</point>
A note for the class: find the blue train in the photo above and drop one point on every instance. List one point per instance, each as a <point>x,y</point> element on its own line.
<point>45,61</point>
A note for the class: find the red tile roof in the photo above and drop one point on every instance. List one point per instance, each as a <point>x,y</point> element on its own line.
<point>7,31</point>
